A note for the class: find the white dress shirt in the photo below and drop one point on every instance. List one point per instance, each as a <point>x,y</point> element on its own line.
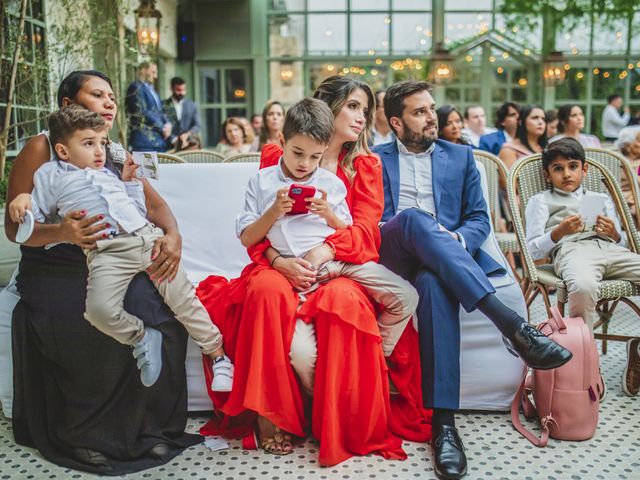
<point>473,137</point>
<point>613,122</point>
<point>177,105</point>
<point>378,139</point>
<point>293,235</point>
<point>536,214</point>
<point>61,187</point>
<point>416,180</point>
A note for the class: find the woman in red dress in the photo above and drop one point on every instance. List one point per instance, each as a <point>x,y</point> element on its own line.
<point>351,412</point>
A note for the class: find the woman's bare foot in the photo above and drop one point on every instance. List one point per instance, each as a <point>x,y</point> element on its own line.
<point>272,439</point>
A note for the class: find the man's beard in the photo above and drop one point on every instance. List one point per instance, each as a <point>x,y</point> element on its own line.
<point>417,140</point>
<point>178,97</point>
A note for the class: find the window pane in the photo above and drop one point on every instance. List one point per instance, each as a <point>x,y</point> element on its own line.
<point>532,37</point>
<point>635,35</point>
<point>212,125</point>
<point>635,83</point>
<point>235,86</point>
<point>286,35</point>
<point>319,5</point>
<point>210,85</point>
<point>458,26</point>
<point>369,4</point>
<point>319,71</point>
<point>411,32</point>
<point>287,81</point>
<point>287,5</point>
<point>37,11</point>
<point>236,112</point>
<point>611,39</point>
<point>468,4</point>
<point>411,5</point>
<point>574,86</point>
<point>607,81</point>
<point>369,34</point>
<point>576,40</point>
<point>327,34</point>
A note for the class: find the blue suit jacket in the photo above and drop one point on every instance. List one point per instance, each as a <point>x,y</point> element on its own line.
<point>492,142</point>
<point>189,121</point>
<point>146,119</point>
<point>457,194</point>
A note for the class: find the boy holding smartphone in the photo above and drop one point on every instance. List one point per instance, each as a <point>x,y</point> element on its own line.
<point>308,127</point>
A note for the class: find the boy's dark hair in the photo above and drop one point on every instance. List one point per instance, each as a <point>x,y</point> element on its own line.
<point>396,93</point>
<point>503,111</point>
<point>566,147</point>
<point>175,81</point>
<point>66,121</point>
<point>613,96</point>
<point>72,83</point>
<point>309,117</point>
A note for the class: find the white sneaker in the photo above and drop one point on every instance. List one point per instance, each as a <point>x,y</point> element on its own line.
<point>148,353</point>
<point>222,375</point>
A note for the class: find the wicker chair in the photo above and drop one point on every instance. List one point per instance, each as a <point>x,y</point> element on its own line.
<point>618,166</point>
<point>169,158</point>
<point>243,158</point>
<point>200,156</point>
<point>527,177</point>
<point>497,171</point>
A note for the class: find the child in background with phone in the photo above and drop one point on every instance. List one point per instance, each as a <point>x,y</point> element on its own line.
<point>308,127</point>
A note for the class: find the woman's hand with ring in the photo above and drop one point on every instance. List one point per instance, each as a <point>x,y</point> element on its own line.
<point>166,254</point>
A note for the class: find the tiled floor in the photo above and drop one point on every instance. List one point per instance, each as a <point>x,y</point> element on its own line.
<point>494,449</point>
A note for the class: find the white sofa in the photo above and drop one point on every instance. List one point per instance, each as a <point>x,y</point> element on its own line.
<point>206,198</point>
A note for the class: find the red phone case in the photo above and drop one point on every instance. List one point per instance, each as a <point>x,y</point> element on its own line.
<point>299,193</point>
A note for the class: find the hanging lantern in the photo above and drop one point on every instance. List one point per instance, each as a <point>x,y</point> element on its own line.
<point>441,66</point>
<point>148,27</point>
<point>553,69</point>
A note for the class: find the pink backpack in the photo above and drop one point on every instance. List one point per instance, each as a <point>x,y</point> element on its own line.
<point>566,398</point>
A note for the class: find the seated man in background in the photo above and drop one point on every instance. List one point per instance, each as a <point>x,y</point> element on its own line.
<point>506,123</point>
<point>475,124</point>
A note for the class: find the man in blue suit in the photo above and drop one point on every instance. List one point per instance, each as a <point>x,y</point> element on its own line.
<point>183,115</point>
<point>148,125</point>
<point>506,123</point>
<point>435,221</point>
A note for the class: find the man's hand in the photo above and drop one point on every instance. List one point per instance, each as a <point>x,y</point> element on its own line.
<point>184,140</point>
<point>454,235</point>
<point>129,170</point>
<point>282,204</point>
<point>606,226</point>
<point>568,226</point>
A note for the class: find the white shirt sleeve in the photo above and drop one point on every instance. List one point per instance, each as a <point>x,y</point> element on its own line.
<point>135,190</point>
<point>44,195</point>
<point>612,117</point>
<point>536,214</point>
<point>610,212</point>
<point>251,211</point>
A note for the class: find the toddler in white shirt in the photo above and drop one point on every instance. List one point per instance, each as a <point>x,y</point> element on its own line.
<point>307,130</point>
<point>78,180</point>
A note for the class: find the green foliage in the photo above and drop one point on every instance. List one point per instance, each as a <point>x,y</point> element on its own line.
<point>567,13</point>
<point>4,182</point>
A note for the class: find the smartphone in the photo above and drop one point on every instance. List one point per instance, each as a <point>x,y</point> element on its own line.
<point>299,193</point>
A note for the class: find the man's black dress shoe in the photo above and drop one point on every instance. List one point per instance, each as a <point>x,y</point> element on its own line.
<point>91,457</point>
<point>450,460</point>
<point>536,349</point>
<point>159,450</point>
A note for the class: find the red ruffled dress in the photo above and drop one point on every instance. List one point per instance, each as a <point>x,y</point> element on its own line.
<point>352,412</point>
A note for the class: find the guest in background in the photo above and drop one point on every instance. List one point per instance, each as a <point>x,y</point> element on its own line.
<point>236,138</point>
<point>450,125</point>
<point>570,124</point>
<point>507,117</point>
<point>629,145</point>
<point>249,134</point>
<point>551,117</point>
<point>256,123</point>
<point>272,123</point>
<point>381,131</point>
<point>531,136</point>
<point>612,121</point>
<point>149,127</point>
<point>475,123</point>
<point>183,115</point>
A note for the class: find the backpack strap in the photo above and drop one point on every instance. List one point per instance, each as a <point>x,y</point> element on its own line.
<point>519,397</point>
<point>556,320</point>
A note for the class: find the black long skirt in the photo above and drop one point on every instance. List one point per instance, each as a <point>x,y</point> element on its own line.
<point>76,387</point>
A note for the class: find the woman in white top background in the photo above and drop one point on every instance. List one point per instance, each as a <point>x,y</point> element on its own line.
<point>571,124</point>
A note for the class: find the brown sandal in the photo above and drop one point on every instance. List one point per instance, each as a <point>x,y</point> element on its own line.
<point>279,444</point>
